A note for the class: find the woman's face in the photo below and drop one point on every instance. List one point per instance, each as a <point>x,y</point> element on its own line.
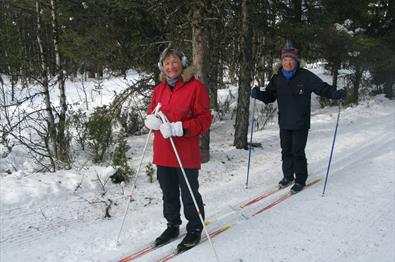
<point>288,63</point>
<point>172,66</point>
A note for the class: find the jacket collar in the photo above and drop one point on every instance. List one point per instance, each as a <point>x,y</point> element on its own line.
<point>278,66</point>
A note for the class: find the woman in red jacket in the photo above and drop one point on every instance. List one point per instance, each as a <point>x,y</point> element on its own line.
<point>185,102</point>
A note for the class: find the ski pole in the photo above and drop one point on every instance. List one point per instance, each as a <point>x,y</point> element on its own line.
<point>165,120</point>
<point>135,178</point>
<point>333,146</point>
<point>250,145</point>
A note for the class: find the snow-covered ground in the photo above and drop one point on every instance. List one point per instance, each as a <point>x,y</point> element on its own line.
<point>60,216</point>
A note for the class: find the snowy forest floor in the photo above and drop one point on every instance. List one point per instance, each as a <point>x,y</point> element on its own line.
<point>60,216</point>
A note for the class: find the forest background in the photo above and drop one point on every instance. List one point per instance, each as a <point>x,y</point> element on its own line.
<point>46,43</point>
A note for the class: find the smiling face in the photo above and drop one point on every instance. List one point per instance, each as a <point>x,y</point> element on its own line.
<point>288,63</point>
<point>172,66</point>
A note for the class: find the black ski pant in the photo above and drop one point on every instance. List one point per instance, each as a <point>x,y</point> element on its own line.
<point>294,162</point>
<point>172,183</point>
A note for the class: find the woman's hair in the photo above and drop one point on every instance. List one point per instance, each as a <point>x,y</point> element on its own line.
<point>170,51</point>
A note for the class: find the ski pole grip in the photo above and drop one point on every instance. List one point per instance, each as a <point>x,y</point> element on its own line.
<point>163,117</point>
<point>156,110</point>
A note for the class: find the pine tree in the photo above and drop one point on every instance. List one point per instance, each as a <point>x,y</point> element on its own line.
<point>119,159</point>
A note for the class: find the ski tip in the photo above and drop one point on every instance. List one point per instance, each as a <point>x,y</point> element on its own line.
<point>227,227</point>
<point>224,228</point>
<point>207,222</point>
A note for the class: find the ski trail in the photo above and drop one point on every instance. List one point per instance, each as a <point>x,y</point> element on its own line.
<point>352,155</point>
<point>343,160</point>
<point>359,198</point>
<point>44,220</point>
<point>361,186</point>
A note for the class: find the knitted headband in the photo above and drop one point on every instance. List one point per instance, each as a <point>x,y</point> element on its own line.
<point>289,51</point>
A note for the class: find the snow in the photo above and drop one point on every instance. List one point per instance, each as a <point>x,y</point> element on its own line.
<point>61,216</point>
<point>354,221</point>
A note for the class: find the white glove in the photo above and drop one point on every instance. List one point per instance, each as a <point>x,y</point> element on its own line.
<point>152,122</point>
<point>171,129</point>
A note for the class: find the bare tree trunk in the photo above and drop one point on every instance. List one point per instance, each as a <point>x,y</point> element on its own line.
<point>297,10</point>
<point>357,79</point>
<point>388,89</point>
<point>212,84</point>
<point>91,73</point>
<point>214,53</point>
<point>335,72</point>
<point>272,35</point>
<point>199,51</point>
<point>63,147</point>
<point>214,64</point>
<point>243,102</point>
<point>14,81</point>
<point>13,77</point>
<point>297,19</point>
<point>45,84</point>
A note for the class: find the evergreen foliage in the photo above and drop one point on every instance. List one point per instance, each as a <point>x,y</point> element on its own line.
<point>120,160</point>
<point>150,171</point>
<point>99,128</point>
<point>119,35</point>
<point>78,122</point>
<point>116,35</point>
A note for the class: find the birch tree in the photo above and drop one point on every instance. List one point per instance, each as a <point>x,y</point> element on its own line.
<point>45,84</point>
<point>63,145</point>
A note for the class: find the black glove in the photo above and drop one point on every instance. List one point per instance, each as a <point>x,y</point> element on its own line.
<point>340,94</point>
<point>255,92</point>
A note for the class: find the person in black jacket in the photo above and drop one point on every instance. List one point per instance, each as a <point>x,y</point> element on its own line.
<point>291,85</point>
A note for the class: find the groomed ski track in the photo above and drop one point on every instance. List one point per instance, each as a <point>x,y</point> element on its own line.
<point>353,222</point>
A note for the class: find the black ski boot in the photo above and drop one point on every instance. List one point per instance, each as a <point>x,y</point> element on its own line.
<point>297,188</point>
<point>189,241</point>
<point>171,232</point>
<point>285,182</point>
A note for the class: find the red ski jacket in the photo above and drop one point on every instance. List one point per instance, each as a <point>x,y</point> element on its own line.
<point>189,103</point>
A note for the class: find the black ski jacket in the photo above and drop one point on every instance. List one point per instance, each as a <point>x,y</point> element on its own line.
<point>294,97</point>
